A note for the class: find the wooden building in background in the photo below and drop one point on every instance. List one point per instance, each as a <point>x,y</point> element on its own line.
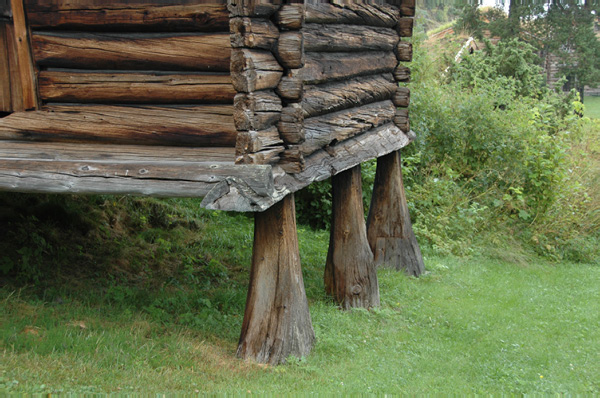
<point>241,103</point>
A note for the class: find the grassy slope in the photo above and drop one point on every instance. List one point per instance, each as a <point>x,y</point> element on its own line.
<point>592,107</point>
<point>474,325</point>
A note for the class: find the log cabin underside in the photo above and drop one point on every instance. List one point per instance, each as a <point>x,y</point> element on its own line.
<point>238,104</point>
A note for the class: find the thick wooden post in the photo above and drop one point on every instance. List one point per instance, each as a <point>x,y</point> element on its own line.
<point>276,322</point>
<point>389,229</point>
<point>350,275</point>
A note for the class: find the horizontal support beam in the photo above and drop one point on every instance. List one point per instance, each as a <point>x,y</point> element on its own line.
<point>172,52</point>
<point>352,14</point>
<point>135,88</point>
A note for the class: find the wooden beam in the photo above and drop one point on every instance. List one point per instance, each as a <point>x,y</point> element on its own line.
<point>325,67</point>
<point>135,88</point>
<point>277,320</point>
<point>389,228</point>
<point>172,52</point>
<point>352,14</point>
<point>345,38</point>
<point>104,16</point>
<point>331,97</point>
<point>150,125</point>
<point>253,33</point>
<point>256,111</point>
<point>290,16</point>
<point>5,77</point>
<point>350,274</point>
<point>254,70</point>
<point>24,59</point>
<point>323,131</point>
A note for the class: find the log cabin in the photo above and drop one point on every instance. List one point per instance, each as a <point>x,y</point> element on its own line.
<point>239,102</point>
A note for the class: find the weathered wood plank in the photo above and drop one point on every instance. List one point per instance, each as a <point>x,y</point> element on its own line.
<point>111,16</point>
<point>404,51</point>
<point>254,70</point>
<point>152,125</point>
<point>345,38</point>
<point>167,179</point>
<point>253,33</point>
<point>24,58</point>
<point>324,67</point>
<point>16,88</point>
<point>329,129</point>
<point>172,52</point>
<point>253,8</point>
<point>402,97</point>
<point>290,49</point>
<point>291,86</point>
<point>256,141</point>
<point>352,14</point>
<point>65,151</point>
<point>83,87</point>
<point>291,125</point>
<point>336,96</point>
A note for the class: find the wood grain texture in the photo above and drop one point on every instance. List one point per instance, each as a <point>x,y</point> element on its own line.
<point>16,88</point>
<point>171,52</point>
<point>402,74</point>
<point>404,51</point>
<point>291,125</point>
<point>352,14</point>
<point>253,8</point>
<point>325,67</point>
<point>405,27</point>
<point>151,125</point>
<point>290,16</point>
<point>24,58</point>
<point>402,97</point>
<point>135,88</point>
<point>291,86</point>
<point>253,33</point>
<point>331,97</point>
<point>290,50</point>
<point>350,274</point>
<point>111,16</point>
<point>276,320</point>
<point>389,228</point>
<point>5,85</point>
<point>249,142</point>
<point>329,129</point>
<point>256,111</point>
<point>254,70</point>
<point>345,38</point>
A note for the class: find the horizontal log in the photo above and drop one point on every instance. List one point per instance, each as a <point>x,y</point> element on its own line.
<point>405,27</point>
<point>253,8</point>
<point>135,88</point>
<point>292,160</point>
<point>402,97</point>
<point>256,141</point>
<point>150,125</point>
<point>332,97</point>
<point>352,14</point>
<point>256,111</point>
<point>191,52</point>
<point>111,16</point>
<point>253,33</point>
<point>290,17</point>
<point>291,87</point>
<point>343,38</point>
<point>254,70</point>
<point>64,151</point>
<point>404,51</point>
<point>324,67</point>
<point>407,8</point>
<point>326,130</point>
<point>290,50</point>
<point>164,179</point>
<point>266,156</point>
<point>401,119</point>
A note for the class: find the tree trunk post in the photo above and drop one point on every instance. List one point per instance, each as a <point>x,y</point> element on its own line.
<point>389,229</point>
<point>350,274</point>
<point>276,321</point>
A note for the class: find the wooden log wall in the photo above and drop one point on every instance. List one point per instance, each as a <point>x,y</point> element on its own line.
<point>95,56</point>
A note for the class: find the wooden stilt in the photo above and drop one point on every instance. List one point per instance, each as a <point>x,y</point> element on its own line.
<point>276,321</point>
<point>389,229</point>
<point>350,275</point>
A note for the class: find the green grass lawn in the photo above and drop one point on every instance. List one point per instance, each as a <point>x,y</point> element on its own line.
<point>467,326</point>
<point>592,107</point>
